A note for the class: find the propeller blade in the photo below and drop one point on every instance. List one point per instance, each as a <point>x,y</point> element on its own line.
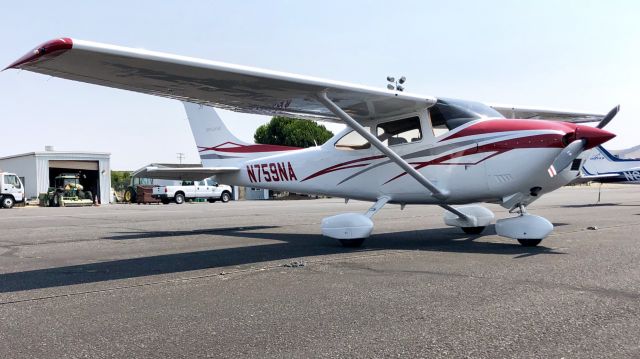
<point>568,154</point>
<point>605,121</point>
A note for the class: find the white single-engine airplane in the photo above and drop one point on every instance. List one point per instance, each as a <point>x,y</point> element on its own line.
<point>397,148</point>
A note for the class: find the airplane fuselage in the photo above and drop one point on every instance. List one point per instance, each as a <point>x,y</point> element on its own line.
<point>482,161</point>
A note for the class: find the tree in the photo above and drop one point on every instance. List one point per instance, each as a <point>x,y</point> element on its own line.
<point>286,131</point>
<point>120,180</point>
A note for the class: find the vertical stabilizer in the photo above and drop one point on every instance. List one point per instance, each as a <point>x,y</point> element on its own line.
<point>216,143</point>
<point>207,127</point>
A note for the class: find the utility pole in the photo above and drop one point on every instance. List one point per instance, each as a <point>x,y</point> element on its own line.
<point>180,156</point>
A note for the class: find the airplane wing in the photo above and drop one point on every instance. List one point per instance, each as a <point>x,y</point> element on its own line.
<point>182,173</point>
<point>521,112</point>
<point>227,86</point>
<point>597,177</point>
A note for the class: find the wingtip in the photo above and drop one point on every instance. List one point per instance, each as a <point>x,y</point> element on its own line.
<point>48,49</point>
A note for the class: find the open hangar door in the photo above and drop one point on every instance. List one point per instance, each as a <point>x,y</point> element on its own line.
<point>88,171</point>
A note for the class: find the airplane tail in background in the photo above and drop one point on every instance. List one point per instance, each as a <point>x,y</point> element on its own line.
<point>216,144</point>
<point>599,156</point>
<point>603,166</point>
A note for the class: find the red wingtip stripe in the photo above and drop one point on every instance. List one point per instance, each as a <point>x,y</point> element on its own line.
<point>46,50</point>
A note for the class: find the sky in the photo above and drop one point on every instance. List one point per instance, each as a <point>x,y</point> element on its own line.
<point>581,55</point>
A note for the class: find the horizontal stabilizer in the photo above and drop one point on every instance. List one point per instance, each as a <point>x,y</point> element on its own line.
<point>184,173</point>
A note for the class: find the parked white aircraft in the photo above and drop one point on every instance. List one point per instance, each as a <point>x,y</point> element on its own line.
<point>398,147</point>
<point>602,166</point>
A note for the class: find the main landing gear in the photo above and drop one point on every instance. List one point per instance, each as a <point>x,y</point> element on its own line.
<point>473,230</point>
<point>351,229</point>
<point>529,230</point>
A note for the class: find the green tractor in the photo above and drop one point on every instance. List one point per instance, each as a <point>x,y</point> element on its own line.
<point>68,192</point>
<point>136,184</point>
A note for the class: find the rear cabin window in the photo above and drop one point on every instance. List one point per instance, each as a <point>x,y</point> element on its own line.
<point>352,141</point>
<point>400,131</point>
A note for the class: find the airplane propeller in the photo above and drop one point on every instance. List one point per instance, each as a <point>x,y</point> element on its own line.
<point>568,154</point>
<point>575,148</point>
<point>605,121</point>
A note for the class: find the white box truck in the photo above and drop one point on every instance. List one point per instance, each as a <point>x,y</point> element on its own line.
<point>11,189</point>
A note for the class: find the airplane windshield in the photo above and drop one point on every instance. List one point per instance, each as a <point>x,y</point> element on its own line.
<point>448,114</point>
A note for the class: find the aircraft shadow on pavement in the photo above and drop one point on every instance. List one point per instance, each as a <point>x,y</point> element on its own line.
<point>289,246</point>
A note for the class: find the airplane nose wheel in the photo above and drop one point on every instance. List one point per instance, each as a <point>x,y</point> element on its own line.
<point>352,242</point>
<point>529,230</point>
<point>529,242</point>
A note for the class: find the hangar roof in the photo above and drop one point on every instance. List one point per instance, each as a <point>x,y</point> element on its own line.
<point>65,154</point>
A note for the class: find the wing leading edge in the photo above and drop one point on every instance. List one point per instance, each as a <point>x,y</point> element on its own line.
<point>237,88</point>
<point>227,86</point>
<point>537,113</point>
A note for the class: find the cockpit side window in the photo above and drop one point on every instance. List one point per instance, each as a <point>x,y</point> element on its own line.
<point>352,141</point>
<point>401,131</point>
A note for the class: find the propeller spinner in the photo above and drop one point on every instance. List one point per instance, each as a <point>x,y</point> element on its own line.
<point>586,138</point>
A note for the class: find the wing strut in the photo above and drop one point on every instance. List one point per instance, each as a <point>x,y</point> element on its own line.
<point>456,212</point>
<point>437,193</point>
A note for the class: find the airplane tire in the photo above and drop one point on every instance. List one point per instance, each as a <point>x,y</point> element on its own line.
<point>179,198</point>
<point>225,197</point>
<point>529,242</point>
<point>8,202</point>
<point>473,230</point>
<point>352,243</point>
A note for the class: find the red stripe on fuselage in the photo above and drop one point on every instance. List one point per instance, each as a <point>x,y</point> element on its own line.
<point>237,148</point>
<point>342,166</point>
<point>499,147</point>
<point>492,126</point>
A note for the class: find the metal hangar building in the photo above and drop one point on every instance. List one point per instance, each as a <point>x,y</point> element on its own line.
<point>37,170</point>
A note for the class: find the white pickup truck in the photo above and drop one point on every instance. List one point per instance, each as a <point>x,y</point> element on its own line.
<point>208,189</point>
<point>11,189</point>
